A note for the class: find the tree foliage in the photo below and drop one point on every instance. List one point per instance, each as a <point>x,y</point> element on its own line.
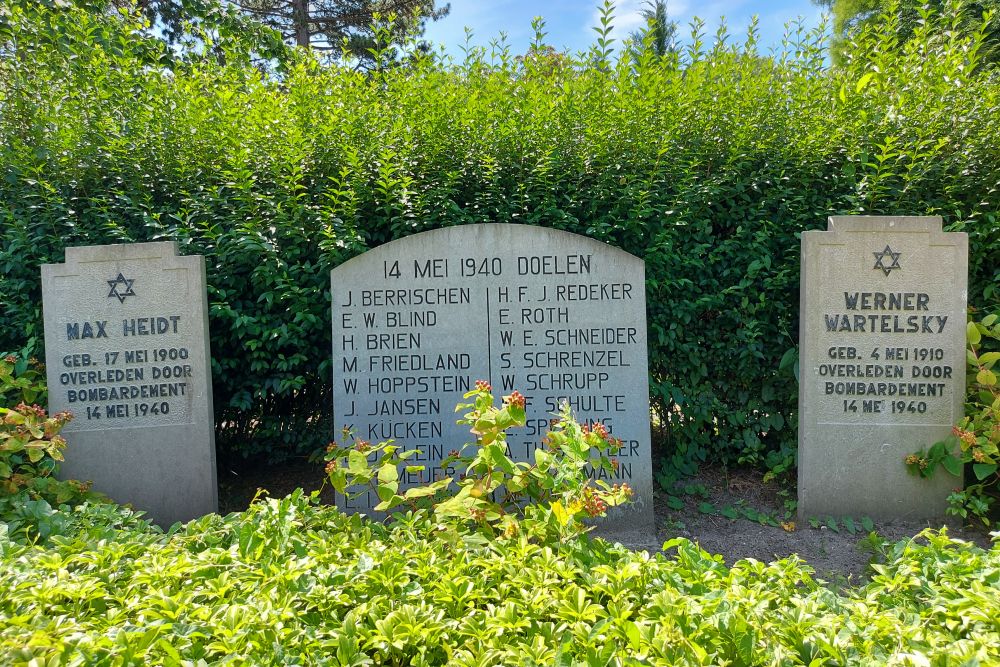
<point>967,18</point>
<point>343,24</point>
<point>707,166</point>
<point>336,25</point>
<point>659,36</point>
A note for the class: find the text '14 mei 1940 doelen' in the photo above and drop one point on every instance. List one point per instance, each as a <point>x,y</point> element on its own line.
<point>882,358</point>
<point>126,351</point>
<point>556,316</point>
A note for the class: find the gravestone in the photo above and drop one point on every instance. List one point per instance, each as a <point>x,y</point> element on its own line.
<point>556,316</point>
<point>882,364</point>
<point>126,351</point>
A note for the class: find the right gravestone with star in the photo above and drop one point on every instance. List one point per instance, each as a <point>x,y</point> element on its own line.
<point>881,364</point>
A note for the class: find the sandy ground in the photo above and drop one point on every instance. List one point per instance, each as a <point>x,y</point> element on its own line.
<point>835,553</point>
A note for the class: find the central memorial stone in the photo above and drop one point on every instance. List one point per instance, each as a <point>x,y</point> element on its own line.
<point>554,315</point>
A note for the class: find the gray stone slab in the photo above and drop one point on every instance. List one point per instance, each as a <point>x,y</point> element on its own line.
<point>882,363</point>
<point>127,352</point>
<point>554,315</point>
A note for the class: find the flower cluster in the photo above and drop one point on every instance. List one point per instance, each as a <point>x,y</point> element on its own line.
<point>55,424</point>
<point>967,437</point>
<point>624,488</point>
<point>516,399</point>
<point>596,428</point>
<point>80,487</point>
<point>593,504</point>
<point>483,385</point>
<point>32,409</point>
<point>601,431</point>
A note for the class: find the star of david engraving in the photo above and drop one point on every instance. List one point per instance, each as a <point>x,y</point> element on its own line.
<point>119,282</point>
<point>880,258</point>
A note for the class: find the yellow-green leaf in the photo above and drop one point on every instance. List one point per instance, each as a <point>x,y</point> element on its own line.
<point>863,81</point>
<point>989,358</point>
<point>338,478</point>
<point>387,505</point>
<point>634,637</point>
<point>388,474</point>
<point>562,516</point>
<point>356,461</point>
<point>420,492</point>
<point>972,333</point>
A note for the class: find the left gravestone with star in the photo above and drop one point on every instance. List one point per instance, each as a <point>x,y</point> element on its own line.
<point>126,351</point>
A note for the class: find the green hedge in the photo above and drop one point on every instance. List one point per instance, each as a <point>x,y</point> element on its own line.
<point>708,167</point>
<point>289,583</point>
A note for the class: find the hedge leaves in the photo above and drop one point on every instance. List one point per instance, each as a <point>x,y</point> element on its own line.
<point>707,165</point>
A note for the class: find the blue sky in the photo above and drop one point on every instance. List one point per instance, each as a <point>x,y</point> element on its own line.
<point>569,23</point>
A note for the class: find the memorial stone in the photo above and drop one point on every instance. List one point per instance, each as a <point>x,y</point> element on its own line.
<point>556,316</point>
<point>126,351</point>
<point>882,364</point>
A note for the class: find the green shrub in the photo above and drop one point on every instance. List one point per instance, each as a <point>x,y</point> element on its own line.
<point>547,499</point>
<point>974,443</point>
<point>707,166</point>
<point>290,582</point>
<point>30,444</point>
<point>30,449</point>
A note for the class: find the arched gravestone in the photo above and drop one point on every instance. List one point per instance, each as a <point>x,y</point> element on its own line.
<point>555,315</point>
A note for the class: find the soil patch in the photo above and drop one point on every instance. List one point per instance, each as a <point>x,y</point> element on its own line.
<point>696,510</point>
<point>838,553</point>
<point>238,486</point>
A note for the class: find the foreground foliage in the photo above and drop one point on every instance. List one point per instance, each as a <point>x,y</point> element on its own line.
<point>973,448</point>
<point>548,498</point>
<point>289,582</point>
<point>851,16</point>
<point>30,451</point>
<point>707,163</point>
